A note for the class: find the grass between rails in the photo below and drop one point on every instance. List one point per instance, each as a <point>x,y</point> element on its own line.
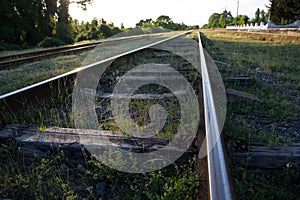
<point>275,68</point>
<point>28,74</point>
<point>54,177</point>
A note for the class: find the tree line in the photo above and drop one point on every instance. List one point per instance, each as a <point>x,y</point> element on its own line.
<point>221,20</point>
<point>279,12</point>
<point>166,22</point>
<point>28,23</point>
<point>284,11</point>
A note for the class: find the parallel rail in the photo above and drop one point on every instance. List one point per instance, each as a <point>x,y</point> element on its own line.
<point>17,59</point>
<point>218,178</point>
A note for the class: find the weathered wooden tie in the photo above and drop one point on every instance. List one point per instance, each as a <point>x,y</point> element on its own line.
<point>72,141</point>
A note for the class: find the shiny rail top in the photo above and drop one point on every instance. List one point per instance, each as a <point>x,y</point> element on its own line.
<point>219,184</point>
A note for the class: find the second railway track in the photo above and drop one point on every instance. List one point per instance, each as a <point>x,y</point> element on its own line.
<point>18,59</point>
<point>214,165</point>
<point>11,61</point>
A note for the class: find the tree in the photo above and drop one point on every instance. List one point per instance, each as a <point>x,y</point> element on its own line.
<point>257,16</point>
<point>94,29</point>
<point>8,17</point>
<point>164,21</point>
<point>221,20</point>
<point>144,23</point>
<point>21,21</point>
<point>27,22</point>
<point>242,19</point>
<point>105,31</point>
<point>64,30</point>
<point>284,11</point>
<point>225,19</point>
<point>263,16</point>
<point>213,21</point>
<point>122,26</point>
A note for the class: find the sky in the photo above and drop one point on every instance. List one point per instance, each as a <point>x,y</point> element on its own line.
<point>190,12</point>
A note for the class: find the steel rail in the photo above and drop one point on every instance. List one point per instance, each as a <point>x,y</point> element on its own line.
<point>45,89</point>
<point>55,49</point>
<point>33,56</point>
<point>44,51</point>
<point>219,184</point>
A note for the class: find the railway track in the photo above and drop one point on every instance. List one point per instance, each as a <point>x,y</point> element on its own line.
<point>18,59</point>
<point>210,150</point>
<point>15,60</point>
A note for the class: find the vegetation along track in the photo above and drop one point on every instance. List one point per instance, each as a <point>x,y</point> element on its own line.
<point>47,105</point>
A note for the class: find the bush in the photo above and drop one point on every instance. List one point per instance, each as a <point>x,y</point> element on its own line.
<point>81,36</point>
<point>65,33</point>
<point>8,47</point>
<point>51,42</point>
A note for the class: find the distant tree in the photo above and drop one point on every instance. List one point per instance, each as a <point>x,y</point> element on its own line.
<point>49,17</point>
<point>102,21</point>
<point>122,26</point>
<point>213,21</point>
<point>63,11</point>
<point>225,19</point>
<point>22,22</point>
<point>105,31</point>
<point>284,11</point>
<point>94,31</point>
<point>220,20</point>
<point>164,21</point>
<point>263,16</point>
<point>145,23</point>
<point>242,19</point>
<point>257,16</point>
<point>205,26</point>
<point>65,32</point>
<point>64,29</point>
<point>27,22</point>
<point>115,30</point>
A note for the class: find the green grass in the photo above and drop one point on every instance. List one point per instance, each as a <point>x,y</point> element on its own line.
<point>276,185</point>
<point>275,69</point>
<point>28,74</point>
<point>54,177</point>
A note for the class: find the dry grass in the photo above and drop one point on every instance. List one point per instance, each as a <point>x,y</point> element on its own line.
<point>245,36</point>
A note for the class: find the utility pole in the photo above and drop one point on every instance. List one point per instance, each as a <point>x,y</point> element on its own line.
<point>225,15</point>
<point>237,11</point>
